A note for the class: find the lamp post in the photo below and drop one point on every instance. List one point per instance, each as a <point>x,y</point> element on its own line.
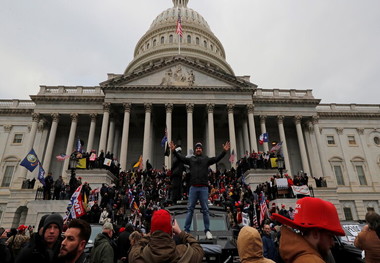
<point>280,164</point>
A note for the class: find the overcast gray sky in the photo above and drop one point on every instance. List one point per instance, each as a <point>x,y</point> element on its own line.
<point>329,46</point>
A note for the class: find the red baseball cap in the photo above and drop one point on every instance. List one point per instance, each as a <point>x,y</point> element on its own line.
<point>313,212</point>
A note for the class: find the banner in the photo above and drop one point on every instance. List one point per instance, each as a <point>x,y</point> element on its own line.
<point>282,183</point>
<point>93,157</point>
<point>30,161</point>
<point>82,163</point>
<point>76,207</point>
<point>107,162</point>
<point>301,190</point>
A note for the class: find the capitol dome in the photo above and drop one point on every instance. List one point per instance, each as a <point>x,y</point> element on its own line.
<point>198,42</point>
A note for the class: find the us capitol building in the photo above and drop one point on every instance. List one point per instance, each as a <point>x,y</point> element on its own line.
<point>195,95</point>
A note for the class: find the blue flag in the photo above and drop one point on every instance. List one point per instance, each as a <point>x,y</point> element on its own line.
<point>41,174</point>
<point>31,161</point>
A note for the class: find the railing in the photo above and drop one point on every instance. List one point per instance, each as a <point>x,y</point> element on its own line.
<point>277,93</point>
<point>348,107</point>
<point>45,90</point>
<point>17,104</point>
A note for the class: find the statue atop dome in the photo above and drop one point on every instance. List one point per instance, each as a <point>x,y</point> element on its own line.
<point>180,3</point>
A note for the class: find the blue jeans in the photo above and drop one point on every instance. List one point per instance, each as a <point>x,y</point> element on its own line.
<point>197,193</point>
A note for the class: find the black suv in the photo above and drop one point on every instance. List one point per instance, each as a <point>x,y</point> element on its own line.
<point>222,248</point>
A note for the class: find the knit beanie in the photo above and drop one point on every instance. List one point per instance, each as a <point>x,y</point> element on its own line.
<point>161,220</point>
<point>42,222</point>
<point>53,219</point>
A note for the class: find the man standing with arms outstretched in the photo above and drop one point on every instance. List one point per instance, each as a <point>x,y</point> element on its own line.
<point>199,165</point>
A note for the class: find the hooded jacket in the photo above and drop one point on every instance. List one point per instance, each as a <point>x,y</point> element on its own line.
<point>102,252</point>
<point>370,243</point>
<point>161,247</point>
<point>295,249</point>
<point>199,166</point>
<point>250,247</point>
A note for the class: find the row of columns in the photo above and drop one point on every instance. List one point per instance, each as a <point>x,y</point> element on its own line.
<point>108,127</point>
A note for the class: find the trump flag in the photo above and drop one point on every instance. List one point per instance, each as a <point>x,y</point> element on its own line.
<point>76,207</point>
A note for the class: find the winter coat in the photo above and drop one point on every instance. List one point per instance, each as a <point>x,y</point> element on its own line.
<point>250,247</point>
<point>199,166</point>
<point>270,249</point>
<point>368,241</point>
<point>295,249</point>
<point>102,252</point>
<point>161,247</point>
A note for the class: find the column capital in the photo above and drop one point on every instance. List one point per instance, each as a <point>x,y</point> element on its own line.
<point>189,107</point>
<point>263,118</point>
<point>230,108</point>
<point>169,107</point>
<point>55,117</point>
<point>107,107</point>
<point>339,130</point>
<point>74,117</point>
<point>8,127</point>
<point>210,107</point>
<point>298,119</point>
<point>250,108</point>
<point>280,119</point>
<point>127,107</point>
<point>360,131</point>
<point>93,116</point>
<point>35,117</point>
<point>148,107</point>
<point>315,119</point>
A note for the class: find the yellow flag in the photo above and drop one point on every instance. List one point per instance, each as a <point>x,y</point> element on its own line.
<point>82,163</point>
<point>273,162</point>
<point>138,162</point>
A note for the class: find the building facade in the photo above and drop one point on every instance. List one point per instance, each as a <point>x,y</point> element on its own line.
<point>185,86</point>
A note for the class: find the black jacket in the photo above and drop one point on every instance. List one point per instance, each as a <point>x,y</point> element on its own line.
<point>199,166</point>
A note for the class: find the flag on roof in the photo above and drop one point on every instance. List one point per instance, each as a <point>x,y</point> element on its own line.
<point>179,26</point>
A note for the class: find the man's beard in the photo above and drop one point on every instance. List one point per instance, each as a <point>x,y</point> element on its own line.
<point>70,255</point>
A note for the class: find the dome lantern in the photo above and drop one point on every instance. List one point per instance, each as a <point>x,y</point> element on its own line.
<point>180,3</point>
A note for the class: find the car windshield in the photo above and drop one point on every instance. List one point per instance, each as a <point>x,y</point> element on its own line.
<point>95,230</point>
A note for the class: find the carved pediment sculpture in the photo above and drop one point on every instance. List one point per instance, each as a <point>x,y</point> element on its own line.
<point>177,77</point>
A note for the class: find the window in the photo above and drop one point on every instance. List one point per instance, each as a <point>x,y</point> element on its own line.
<point>330,140</point>
<point>338,174</point>
<point>17,138</point>
<point>162,40</point>
<point>197,41</point>
<point>361,175</point>
<point>188,39</point>
<point>205,44</point>
<point>212,47</point>
<point>348,213</point>
<point>154,42</point>
<point>376,140</point>
<point>7,176</point>
<point>351,140</point>
<point>171,39</point>
<point>147,46</point>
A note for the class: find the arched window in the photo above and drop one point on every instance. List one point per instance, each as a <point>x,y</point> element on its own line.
<point>197,40</point>
<point>171,39</point>
<point>154,42</point>
<point>188,39</point>
<point>162,40</point>
<point>212,47</point>
<point>147,46</point>
<point>205,44</point>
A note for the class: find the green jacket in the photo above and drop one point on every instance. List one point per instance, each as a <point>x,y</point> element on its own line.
<point>160,247</point>
<point>102,252</point>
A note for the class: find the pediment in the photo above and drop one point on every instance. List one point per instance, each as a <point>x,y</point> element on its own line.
<point>178,75</point>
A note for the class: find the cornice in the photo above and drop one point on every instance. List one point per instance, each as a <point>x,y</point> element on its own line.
<point>180,88</point>
<point>16,111</point>
<point>64,98</point>
<point>286,101</point>
<point>349,115</point>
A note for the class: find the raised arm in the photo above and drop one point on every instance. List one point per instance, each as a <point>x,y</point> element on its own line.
<point>177,155</point>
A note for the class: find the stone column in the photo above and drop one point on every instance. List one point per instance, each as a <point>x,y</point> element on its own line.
<point>190,140</point>
<point>169,111</point>
<point>211,132</point>
<point>51,140</point>
<point>231,129</point>
<point>111,136</point>
<point>104,132</point>
<point>91,133</point>
<point>147,129</point>
<point>326,171</point>
<point>245,137</point>
<point>301,143</point>
<point>264,130</point>
<point>32,136</point>
<point>125,135</point>
<point>252,129</point>
<point>70,143</point>
<point>372,172</point>
<point>281,130</point>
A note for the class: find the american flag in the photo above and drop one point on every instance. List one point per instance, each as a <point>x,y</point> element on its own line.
<point>263,208</point>
<point>254,218</point>
<point>179,26</point>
